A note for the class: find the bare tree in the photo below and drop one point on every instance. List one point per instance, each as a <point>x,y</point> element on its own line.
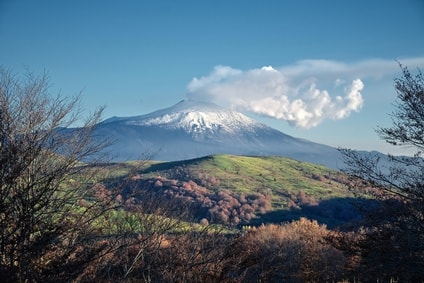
<point>43,227</point>
<point>394,246</point>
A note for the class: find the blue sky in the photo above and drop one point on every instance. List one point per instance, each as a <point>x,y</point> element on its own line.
<point>320,70</point>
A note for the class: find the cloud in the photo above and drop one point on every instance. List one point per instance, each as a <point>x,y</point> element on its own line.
<point>304,94</point>
<point>273,93</point>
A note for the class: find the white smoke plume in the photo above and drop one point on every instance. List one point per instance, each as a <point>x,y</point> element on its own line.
<point>297,94</point>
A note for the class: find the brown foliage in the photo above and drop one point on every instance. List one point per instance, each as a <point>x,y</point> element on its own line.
<point>190,256</point>
<point>294,252</point>
<point>44,235</point>
<point>217,207</point>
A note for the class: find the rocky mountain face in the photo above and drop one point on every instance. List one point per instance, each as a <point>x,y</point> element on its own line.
<point>192,129</point>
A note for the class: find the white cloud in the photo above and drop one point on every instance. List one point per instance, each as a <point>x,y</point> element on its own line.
<point>304,94</point>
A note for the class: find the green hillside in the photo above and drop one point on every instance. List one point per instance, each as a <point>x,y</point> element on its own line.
<point>278,176</point>
<point>278,189</point>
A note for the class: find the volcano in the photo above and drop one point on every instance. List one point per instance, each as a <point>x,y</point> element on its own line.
<point>192,129</point>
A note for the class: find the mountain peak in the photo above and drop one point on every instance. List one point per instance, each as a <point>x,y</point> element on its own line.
<point>197,118</point>
<point>195,105</point>
<point>183,106</point>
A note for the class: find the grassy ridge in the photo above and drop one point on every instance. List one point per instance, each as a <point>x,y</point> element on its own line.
<point>278,176</point>
<point>284,189</point>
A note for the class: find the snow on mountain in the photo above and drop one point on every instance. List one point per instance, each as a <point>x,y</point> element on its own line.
<point>201,120</point>
<point>193,129</point>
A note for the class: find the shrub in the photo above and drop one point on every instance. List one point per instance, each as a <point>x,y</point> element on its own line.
<point>294,252</point>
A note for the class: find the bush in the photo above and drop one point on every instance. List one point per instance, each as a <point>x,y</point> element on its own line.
<point>294,252</point>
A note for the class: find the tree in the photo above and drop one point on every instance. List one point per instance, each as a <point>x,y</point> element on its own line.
<point>394,242</point>
<point>45,233</point>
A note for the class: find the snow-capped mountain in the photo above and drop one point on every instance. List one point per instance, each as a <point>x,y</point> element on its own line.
<point>203,121</point>
<point>193,129</point>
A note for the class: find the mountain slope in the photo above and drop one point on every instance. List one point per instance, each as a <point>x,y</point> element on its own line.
<point>193,129</point>
<point>246,190</point>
